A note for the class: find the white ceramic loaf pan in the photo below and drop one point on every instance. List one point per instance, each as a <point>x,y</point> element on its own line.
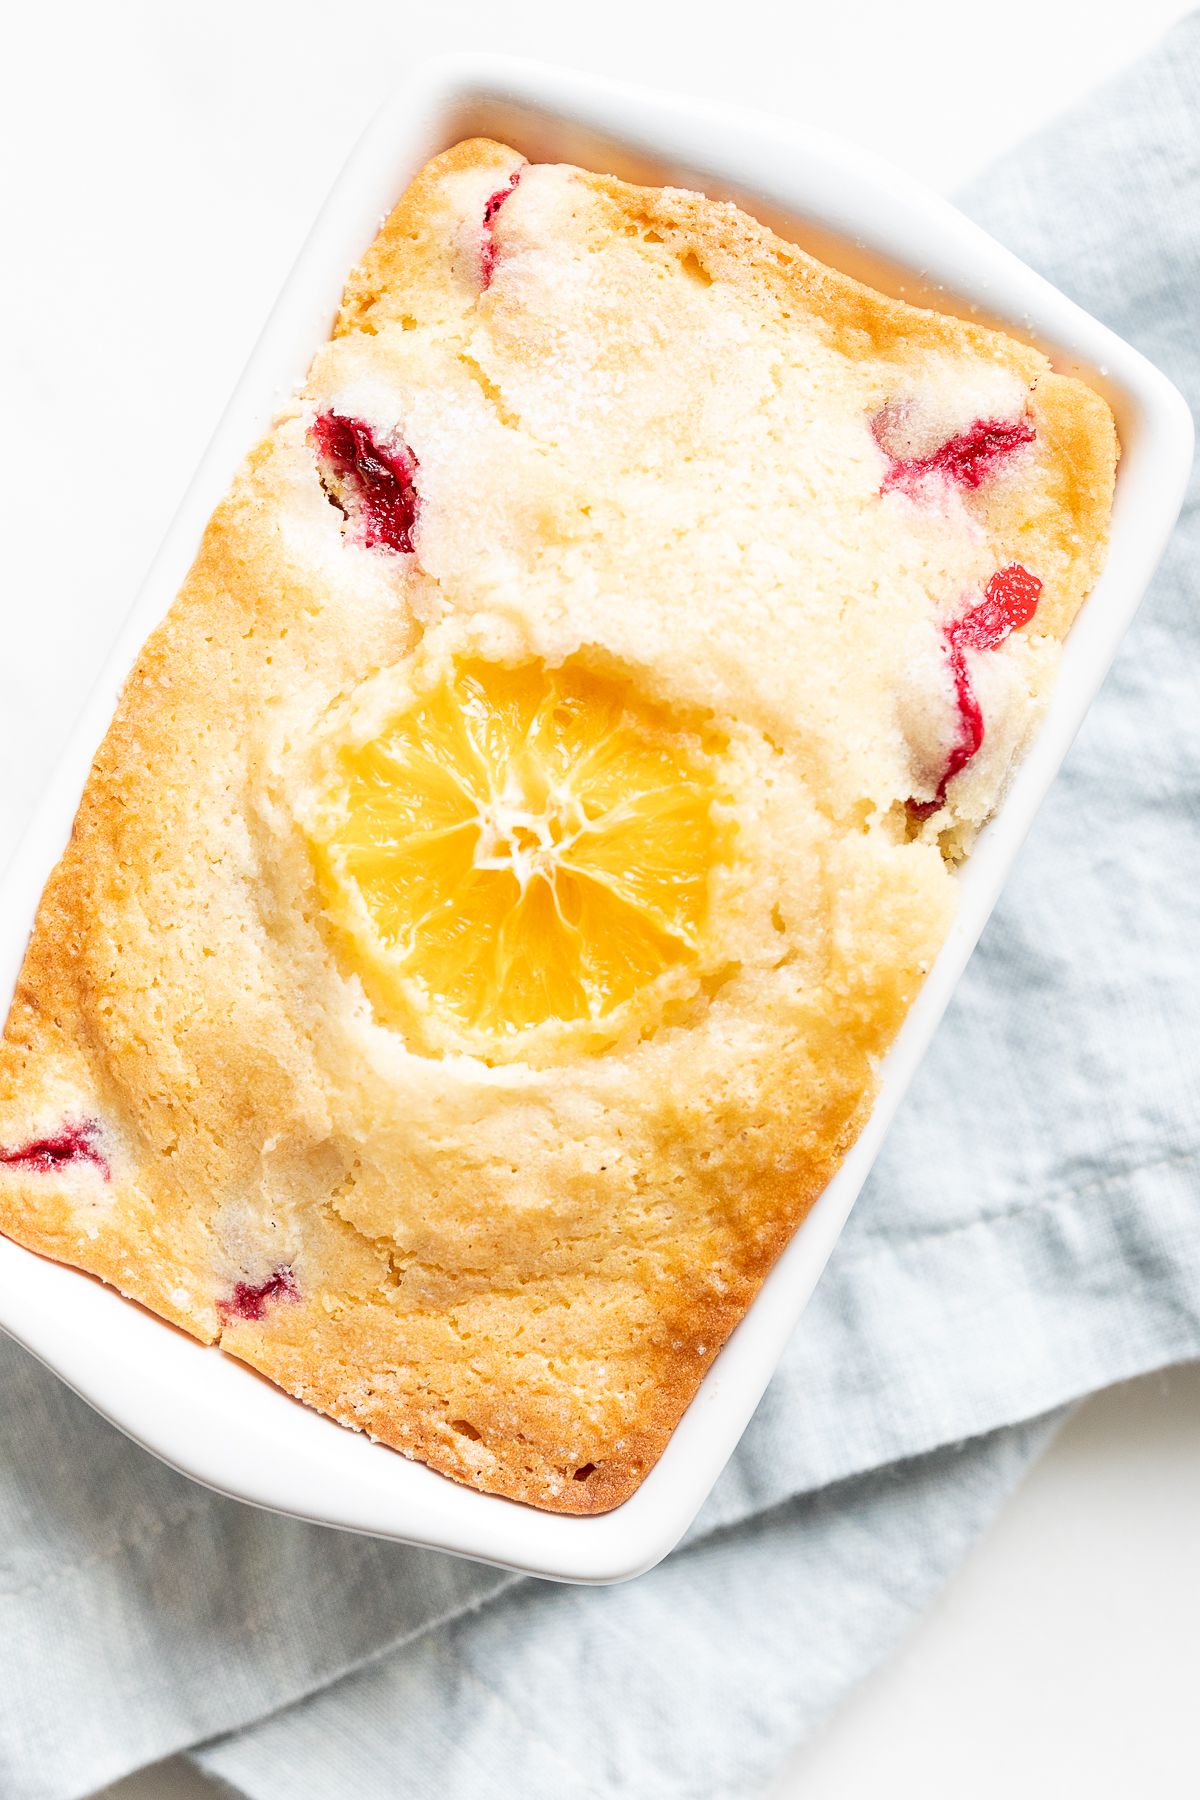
<point>197,1408</point>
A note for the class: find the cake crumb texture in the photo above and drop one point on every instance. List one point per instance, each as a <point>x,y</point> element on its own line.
<point>522,839</point>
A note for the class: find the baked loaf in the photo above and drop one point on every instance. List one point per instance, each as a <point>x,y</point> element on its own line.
<point>517,847</point>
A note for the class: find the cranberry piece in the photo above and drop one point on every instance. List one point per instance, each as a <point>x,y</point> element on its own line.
<point>488,251</point>
<point>73,1144</point>
<point>1009,601</point>
<point>373,484</point>
<point>966,461</point>
<point>250,1302</point>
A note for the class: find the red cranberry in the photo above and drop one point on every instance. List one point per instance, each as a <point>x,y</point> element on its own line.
<point>250,1302</point>
<point>966,461</point>
<point>373,484</point>
<point>1009,601</point>
<point>488,251</point>
<point>73,1144</point>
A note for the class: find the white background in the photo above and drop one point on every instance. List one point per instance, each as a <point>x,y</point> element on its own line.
<point>162,164</point>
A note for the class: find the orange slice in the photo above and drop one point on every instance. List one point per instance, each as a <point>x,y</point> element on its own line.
<point>521,845</point>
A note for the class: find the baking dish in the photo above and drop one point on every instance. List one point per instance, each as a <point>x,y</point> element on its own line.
<point>195,1406</point>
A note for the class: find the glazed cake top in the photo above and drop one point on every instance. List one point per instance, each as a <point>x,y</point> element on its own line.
<point>525,835</point>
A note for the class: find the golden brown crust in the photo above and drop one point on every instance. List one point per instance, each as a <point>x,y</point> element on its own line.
<point>519,1274</point>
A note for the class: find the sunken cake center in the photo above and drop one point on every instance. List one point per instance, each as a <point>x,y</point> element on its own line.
<point>520,846</point>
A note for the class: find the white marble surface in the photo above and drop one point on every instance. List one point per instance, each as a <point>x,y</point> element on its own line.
<point>162,166</point>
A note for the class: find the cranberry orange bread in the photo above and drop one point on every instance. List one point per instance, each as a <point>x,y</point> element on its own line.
<point>519,844</point>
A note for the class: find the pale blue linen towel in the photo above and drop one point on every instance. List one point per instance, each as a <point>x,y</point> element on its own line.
<point>1032,1232</point>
